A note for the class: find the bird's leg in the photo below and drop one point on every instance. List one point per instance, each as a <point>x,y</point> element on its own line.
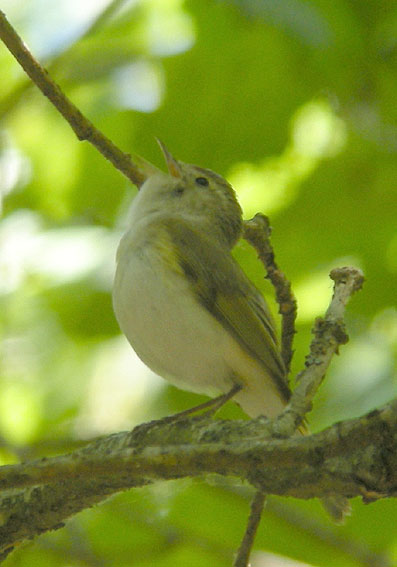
<point>212,406</point>
<point>216,403</point>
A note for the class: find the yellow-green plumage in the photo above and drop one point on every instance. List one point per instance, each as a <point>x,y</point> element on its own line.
<point>183,302</point>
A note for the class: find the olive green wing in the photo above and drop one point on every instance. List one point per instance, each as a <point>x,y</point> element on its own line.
<point>223,288</point>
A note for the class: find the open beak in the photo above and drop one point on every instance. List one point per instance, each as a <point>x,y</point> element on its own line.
<point>143,169</point>
<point>173,166</point>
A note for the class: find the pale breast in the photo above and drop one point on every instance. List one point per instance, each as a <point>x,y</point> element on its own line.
<point>165,324</point>
<point>176,336</point>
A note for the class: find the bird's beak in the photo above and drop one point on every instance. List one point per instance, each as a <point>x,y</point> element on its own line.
<point>173,165</point>
<point>144,170</point>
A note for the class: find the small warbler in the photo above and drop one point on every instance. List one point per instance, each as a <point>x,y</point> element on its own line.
<point>184,304</point>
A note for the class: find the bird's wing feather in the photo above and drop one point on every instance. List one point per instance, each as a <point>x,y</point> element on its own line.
<point>225,291</point>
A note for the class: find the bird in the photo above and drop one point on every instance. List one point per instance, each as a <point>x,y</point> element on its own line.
<point>183,302</point>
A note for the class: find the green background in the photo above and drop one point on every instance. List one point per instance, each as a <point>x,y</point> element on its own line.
<point>295,103</point>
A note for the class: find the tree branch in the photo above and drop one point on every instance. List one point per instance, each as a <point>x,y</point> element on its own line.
<point>357,457</point>
<point>244,551</point>
<point>354,458</point>
<point>257,232</point>
<point>329,333</point>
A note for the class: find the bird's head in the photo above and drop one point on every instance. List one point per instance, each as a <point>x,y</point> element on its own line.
<point>200,196</point>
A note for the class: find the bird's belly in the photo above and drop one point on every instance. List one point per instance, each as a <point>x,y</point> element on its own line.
<point>167,327</point>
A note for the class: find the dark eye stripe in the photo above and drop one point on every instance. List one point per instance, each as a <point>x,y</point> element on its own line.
<point>202,181</point>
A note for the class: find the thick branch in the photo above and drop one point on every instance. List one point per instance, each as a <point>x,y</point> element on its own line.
<point>82,127</point>
<point>354,458</point>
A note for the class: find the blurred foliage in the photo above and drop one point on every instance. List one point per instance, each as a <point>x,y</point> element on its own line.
<point>294,102</point>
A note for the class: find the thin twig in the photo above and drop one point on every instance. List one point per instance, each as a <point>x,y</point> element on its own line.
<point>257,232</point>
<point>329,333</point>
<point>82,127</point>
<point>254,519</point>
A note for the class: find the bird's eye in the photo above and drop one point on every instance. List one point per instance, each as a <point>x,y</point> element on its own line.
<point>202,181</point>
<point>178,191</point>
